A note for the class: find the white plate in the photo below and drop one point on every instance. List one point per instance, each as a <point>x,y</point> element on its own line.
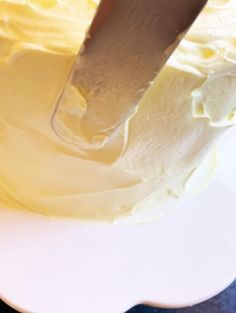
<point>184,258</point>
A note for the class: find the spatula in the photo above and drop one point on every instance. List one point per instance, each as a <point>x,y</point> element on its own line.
<point>127,45</point>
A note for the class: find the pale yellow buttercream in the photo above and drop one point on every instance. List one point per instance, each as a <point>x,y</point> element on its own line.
<point>162,153</point>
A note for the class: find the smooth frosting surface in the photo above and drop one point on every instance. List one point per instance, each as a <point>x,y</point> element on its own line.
<point>163,153</point>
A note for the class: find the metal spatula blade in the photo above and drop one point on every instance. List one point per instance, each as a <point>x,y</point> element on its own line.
<point>127,45</point>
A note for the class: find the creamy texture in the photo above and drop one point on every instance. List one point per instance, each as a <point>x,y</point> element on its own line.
<point>162,154</point>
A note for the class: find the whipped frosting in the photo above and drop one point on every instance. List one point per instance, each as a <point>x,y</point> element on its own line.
<point>162,154</point>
